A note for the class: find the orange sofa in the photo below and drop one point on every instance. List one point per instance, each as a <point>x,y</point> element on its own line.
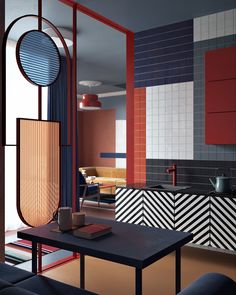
<point>106,175</point>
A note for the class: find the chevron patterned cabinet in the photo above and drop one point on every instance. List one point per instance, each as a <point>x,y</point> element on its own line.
<point>192,214</point>
<point>159,209</point>
<point>223,223</point>
<point>129,205</point>
<point>212,219</point>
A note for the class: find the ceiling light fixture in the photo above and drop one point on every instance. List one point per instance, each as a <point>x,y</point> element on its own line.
<point>66,34</point>
<point>90,101</point>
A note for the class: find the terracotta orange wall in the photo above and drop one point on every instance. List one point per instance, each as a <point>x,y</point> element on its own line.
<point>140,135</point>
<point>96,134</point>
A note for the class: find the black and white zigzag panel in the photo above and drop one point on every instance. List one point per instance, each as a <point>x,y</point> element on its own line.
<point>192,215</point>
<point>129,205</point>
<point>223,223</point>
<point>159,209</point>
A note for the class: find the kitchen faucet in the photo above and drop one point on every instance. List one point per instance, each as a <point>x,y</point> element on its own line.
<point>173,170</point>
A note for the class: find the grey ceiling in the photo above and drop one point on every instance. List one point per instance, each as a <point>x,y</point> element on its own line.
<point>101,50</point>
<point>138,15</point>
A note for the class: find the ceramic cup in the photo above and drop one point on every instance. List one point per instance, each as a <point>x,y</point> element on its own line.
<point>64,218</point>
<point>78,219</point>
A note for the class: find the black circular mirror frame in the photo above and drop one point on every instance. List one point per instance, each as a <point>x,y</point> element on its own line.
<point>36,70</point>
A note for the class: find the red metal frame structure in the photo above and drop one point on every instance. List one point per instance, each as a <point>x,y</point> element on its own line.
<point>74,111</point>
<point>39,87</point>
<point>69,94</point>
<point>129,78</point>
<point>68,61</point>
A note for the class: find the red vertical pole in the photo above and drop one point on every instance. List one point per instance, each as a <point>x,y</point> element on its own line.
<point>40,269</point>
<point>40,118</point>
<point>130,106</point>
<point>129,80</point>
<point>39,87</point>
<point>74,110</point>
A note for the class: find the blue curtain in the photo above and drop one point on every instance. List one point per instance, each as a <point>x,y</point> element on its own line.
<point>57,111</point>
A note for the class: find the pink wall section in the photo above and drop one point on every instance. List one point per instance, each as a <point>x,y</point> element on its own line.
<point>97,134</point>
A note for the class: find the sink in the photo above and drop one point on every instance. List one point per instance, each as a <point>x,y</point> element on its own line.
<point>167,187</point>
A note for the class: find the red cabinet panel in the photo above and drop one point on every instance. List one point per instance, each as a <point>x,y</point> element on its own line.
<point>221,96</point>
<point>220,128</point>
<point>220,64</point>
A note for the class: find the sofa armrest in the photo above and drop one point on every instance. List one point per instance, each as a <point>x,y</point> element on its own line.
<point>13,274</point>
<point>211,284</point>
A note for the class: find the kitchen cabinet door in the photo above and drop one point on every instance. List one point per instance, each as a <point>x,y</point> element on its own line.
<point>192,215</point>
<point>220,64</point>
<point>221,96</point>
<point>159,209</point>
<point>223,223</point>
<point>129,205</point>
<point>220,128</point>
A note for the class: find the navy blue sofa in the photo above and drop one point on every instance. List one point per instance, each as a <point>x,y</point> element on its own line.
<point>211,284</point>
<point>17,281</point>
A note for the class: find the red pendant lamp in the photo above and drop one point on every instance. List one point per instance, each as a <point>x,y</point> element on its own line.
<point>90,101</point>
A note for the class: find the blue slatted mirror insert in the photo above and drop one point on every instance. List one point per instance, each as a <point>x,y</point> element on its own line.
<point>38,58</point>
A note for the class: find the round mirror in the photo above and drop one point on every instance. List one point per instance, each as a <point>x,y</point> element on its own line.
<point>38,58</point>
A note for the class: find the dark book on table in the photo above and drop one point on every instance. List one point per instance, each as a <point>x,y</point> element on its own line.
<point>92,231</point>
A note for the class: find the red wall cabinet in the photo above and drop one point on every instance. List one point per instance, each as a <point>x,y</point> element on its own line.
<point>220,64</point>
<point>220,96</point>
<point>221,128</point>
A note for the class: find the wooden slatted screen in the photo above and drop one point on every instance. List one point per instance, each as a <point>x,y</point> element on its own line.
<point>38,170</point>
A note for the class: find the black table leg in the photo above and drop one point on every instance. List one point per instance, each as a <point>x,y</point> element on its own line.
<point>82,278</point>
<point>34,257</point>
<point>138,281</point>
<point>178,270</point>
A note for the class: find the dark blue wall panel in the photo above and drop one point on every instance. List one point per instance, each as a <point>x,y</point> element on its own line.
<point>164,55</point>
<point>113,155</point>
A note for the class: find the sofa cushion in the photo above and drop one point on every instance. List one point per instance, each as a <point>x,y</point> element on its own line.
<point>118,173</point>
<point>4,284</point>
<point>16,291</point>
<point>211,284</point>
<point>104,171</point>
<point>47,286</point>
<point>13,274</point>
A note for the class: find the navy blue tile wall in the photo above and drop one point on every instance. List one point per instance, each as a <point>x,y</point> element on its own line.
<point>113,155</point>
<point>190,172</point>
<point>164,55</point>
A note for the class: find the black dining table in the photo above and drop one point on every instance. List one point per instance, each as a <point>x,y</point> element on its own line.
<point>129,244</point>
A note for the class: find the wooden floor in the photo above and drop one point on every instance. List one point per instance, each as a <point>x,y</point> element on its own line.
<point>107,278</point>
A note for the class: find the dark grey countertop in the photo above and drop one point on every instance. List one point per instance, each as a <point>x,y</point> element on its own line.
<point>194,189</point>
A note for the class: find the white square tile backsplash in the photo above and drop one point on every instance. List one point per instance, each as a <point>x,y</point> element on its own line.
<point>169,121</point>
<point>215,25</point>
